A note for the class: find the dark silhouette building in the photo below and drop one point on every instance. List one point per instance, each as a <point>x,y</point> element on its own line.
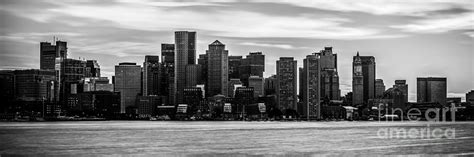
<point>470,97</point>
<point>431,90</point>
<point>256,82</point>
<point>270,85</point>
<point>252,65</point>
<point>310,87</point>
<point>363,79</point>
<point>329,74</point>
<point>185,54</point>
<point>92,69</point>
<point>379,88</point>
<point>286,83</point>
<point>167,72</point>
<point>217,69</point>
<point>151,75</point>
<point>49,53</point>
<point>234,65</point>
<point>128,83</point>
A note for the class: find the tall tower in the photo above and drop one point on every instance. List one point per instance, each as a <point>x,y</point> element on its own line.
<point>185,53</point>
<point>127,82</point>
<point>286,83</point>
<point>217,69</point>
<point>167,72</point>
<point>329,75</point>
<point>151,75</point>
<point>311,95</point>
<point>363,79</point>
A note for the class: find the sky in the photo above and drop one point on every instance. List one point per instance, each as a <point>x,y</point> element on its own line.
<point>408,38</point>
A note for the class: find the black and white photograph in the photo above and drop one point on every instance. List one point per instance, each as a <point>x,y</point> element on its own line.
<point>254,78</point>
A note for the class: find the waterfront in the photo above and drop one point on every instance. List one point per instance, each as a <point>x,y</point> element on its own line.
<point>225,138</point>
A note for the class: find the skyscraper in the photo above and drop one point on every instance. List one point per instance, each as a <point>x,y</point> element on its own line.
<point>185,53</point>
<point>310,87</point>
<point>286,83</point>
<point>202,61</point>
<point>329,75</point>
<point>252,65</point>
<point>49,53</point>
<point>363,79</point>
<point>127,82</point>
<point>151,76</point>
<point>217,69</point>
<point>431,89</point>
<point>379,88</point>
<point>167,72</point>
<point>193,75</point>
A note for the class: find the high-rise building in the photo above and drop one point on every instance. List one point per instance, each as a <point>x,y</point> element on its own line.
<point>167,72</point>
<point>234,65</point>
<point>256,82</point>
<point>7,94</point>
<point>92,69</point>
<point>363,79</point>
<point>202,61</point>
<point>252,65</point>
<point>127,82</point>
<point>151,76</point>
<point>270,85</point>
<point>286,83</point>
<point>379,88</point>
<point>193,75</point>
<point>310,87</point>
<point>329,75</point>
<point>49,53</point>
<point>431,89</point>
<point>470,97</point>
<point>217,69</point>
<point>185,54</point>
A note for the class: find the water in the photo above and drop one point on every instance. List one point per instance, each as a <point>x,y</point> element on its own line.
<point>227,138</point>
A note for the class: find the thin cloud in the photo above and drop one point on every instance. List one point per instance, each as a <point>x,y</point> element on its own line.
<point>281,46</point>
<point>440,24</point>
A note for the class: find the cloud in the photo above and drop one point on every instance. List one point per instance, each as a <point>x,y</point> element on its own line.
<point>380,7</point>
<point>281,46</point>
<point>440,24</point>
<point>217,20</point>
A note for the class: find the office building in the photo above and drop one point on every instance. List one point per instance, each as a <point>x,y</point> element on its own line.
<point>185,54</point>
<point>256,82</point>
<point>234,65</point>
<point>379,88</point>
<point>329,74</point>
<point>286,83</point>
<point>127,82</point>
<point>151,75</point>
<point>167,72</point>
<point>49,53</point>
<point>217,69</point>
<point>431,90</point>
<point>252,65</point>
<point>310,87</point>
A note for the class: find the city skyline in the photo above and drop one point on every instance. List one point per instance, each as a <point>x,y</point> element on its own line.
<point>402,51</point>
